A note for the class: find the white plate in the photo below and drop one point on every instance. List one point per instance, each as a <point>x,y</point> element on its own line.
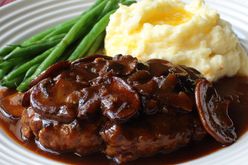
<point>23,18</point>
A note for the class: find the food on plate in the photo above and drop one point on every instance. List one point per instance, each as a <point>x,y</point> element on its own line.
<point>101,104</point>
<point>187,34</point>
<point>154,92</point>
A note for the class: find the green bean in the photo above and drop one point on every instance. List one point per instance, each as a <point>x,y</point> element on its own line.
<point>71,36</point>
<point>61,28</point>
<point>5,67</point>
<point>31,71</point>
<point>111,5</point>
<point>32,49</point>
<point>12,83</point>
<point>84,46</point>
<point>90,37</point>
<point>65,28</point>
<point>7,49</point>
<point>24,85</point>
<point>47,32</point>
<point>96,45</point>
<point>128,2</point>
<point>38,36</point>
<point>66,54</point>
<point>80,27</point>
<point>34,38</point>
<point>5,64</point>
<point>24,67</point>
<point>2,73</point>
<point>10,63</point>
<point>52,38</point>
<point>55,37</point>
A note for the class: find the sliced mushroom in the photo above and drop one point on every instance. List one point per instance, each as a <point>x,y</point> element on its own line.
<point>89,59</point>
<point>49,97</point>
<point>51,71</point>
<point>213,112</point>
<point>26,98</point>
<point>122,65</point>
<point>159,67</point>
<point>89,102</point>
<point>139,77</point>
<point>147,89</point>
<point>166,84</point>
<point>165,92</point>
<point>119,102</point>
<point>91,69</point>
<point>180,70</point>
<point>12,106</point>
<point>187,77</point>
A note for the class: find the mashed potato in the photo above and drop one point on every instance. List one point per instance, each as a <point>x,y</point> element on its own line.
<point>187,34</point>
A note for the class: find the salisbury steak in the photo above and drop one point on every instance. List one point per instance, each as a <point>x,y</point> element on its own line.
<point>148,135</point>
<point>123,108</point>
<point>78,136</point>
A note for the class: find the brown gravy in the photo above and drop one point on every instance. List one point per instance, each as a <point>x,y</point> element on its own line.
<point>233,88</point>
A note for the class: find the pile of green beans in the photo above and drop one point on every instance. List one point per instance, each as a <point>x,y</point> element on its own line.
<point>73,39</point>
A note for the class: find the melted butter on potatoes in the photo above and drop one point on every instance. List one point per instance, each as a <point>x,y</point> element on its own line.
<point>185,34</point>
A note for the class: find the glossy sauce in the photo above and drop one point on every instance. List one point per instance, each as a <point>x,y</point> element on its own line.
<point>235,89</point>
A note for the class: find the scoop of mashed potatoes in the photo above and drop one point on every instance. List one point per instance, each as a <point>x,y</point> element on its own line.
<point>187,34</point>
